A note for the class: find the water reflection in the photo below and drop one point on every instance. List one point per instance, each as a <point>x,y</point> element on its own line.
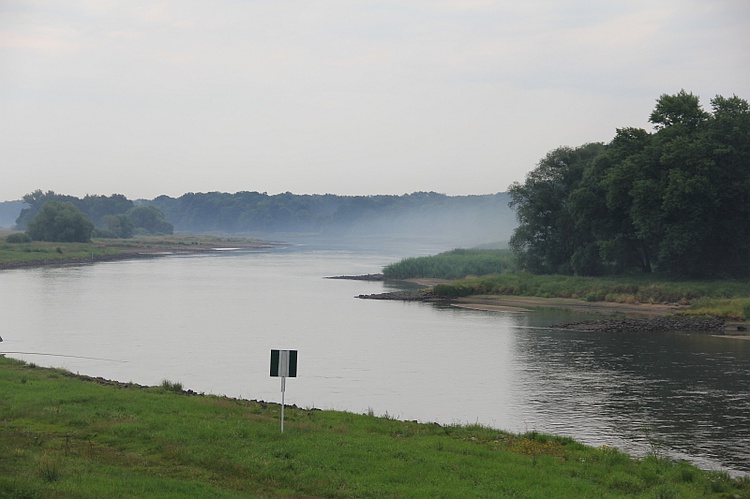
<point>677,393</point>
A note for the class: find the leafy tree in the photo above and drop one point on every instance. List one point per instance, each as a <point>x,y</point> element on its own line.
<point>120,225</point>
<point>682,109</point>
<point>675,201</point>
<point>61,222</point>
<point>150,219</point>
<point>548,236</point>
<point>98,208</point>
<point>95,207</point>
<point>35,200</point>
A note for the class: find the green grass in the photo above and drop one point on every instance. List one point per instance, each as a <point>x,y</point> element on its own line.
<point>40,252</point>
<point>62,436</point>
<point>455,264</point>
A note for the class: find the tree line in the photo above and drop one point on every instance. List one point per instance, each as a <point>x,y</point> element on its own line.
<point>469,219</point>
<point>57,217</point>
<point>674,201</point>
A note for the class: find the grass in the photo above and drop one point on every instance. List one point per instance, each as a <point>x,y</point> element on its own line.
<point>40,252</point>
<point>43,252</point>
<point>454,264</point>
<point>64,436</point>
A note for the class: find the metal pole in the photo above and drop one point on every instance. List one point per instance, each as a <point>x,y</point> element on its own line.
<point>283,383</point>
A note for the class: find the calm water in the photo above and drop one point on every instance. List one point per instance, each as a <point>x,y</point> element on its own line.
<point>210,322</point>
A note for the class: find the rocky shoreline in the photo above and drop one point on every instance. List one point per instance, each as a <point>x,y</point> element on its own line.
<point>364,277</point>
<point>409,295</point>
<point>652,325</point>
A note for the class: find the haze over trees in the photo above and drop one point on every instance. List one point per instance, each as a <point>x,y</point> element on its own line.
<point>467,220</point>
<point>675,201</point>
<point>448,221</point>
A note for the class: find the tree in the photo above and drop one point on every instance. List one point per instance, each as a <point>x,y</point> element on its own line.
<point>60,222</point>
<point>675,201</point>
<point>150,220</point>
<point>36,200</point>
<point>547,236</point>
<point>120,225</point>
<point>100,207</point>
<point>682,109</point>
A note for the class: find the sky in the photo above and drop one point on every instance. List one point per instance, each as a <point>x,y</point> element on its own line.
<point>461,97</point>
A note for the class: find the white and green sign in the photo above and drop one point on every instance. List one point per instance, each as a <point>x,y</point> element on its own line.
<point>283,365</point>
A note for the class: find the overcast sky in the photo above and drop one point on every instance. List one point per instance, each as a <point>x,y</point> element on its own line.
<point>144,98</point>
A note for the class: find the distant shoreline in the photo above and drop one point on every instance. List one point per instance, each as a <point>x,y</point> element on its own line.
<point>138,248</point>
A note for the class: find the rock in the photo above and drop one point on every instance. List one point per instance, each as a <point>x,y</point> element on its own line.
<point>364,277</point>
<point>652,325</point>
<point>412,295</point>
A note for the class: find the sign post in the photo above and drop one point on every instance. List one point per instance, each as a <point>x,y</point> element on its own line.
<point>283,364</point>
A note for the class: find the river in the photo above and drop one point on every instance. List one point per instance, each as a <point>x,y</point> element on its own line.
<point>210,321</point>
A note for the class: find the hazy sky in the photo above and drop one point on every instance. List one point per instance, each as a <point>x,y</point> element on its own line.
<point>144,98</point>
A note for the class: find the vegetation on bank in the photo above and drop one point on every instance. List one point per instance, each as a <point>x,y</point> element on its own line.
<point>29,253</point>
<point>722,298</point>
<point>493,272</point>
<point>455,264</point>
<point>64,436</point>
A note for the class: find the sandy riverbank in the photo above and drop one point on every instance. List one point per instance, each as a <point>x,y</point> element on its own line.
<point>511,303</point>
<point>525,303</point>
<point>638,310</point>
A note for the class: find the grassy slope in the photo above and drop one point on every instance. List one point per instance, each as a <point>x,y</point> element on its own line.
<point>62,436</point>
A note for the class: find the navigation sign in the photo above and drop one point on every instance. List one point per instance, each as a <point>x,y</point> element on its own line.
<point>283,365</point>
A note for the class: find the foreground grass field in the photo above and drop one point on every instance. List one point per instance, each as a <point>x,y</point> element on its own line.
<point>64,436</point>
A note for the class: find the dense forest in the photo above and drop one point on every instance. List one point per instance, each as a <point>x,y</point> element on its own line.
<point>458,220</point>
<point>674,201</point>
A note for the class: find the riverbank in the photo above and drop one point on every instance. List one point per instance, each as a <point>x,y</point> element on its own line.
<point>629,317</point>
<point>65,435</point>
<point>38,253</point>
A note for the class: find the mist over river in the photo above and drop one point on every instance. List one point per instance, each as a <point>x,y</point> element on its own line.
<point>210,321</point>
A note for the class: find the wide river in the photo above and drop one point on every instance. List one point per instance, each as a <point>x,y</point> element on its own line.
<point>210,321</point>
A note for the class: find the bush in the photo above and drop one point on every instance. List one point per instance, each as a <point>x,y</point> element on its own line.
<point>60,222</point>
<point>18,237</point>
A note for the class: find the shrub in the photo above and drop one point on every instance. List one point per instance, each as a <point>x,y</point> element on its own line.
<point>18,237</point>
<point>60,222</point>
<point>171,386</point>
